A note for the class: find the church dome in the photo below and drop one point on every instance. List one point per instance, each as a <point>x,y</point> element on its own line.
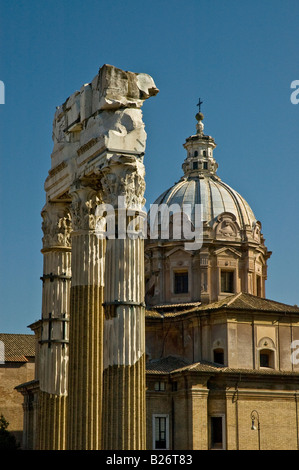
<point>214,196</point>
<point>200,185</point>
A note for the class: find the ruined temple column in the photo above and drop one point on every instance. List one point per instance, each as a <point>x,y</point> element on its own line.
<point>96,124</point>
<point>86,325</point>
<point>124,417</point>
<point>53,354</point>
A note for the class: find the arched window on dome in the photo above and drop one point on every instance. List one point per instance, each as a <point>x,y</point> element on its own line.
<point>266,357</point>
<point>266,353</point>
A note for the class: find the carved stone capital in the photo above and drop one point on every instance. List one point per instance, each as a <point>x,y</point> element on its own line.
<point>83,207</point>
<point>56,225</point>
<point>124,176</point>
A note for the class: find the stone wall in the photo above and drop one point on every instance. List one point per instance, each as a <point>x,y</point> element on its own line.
<point>197,398</point>
<point>11,375</point>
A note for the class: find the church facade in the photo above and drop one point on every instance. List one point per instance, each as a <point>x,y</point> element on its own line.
<point>220,363</point>
<point>162,343</point>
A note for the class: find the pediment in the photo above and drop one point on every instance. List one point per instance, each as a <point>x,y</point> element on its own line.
<point>266,343</point>
<point>178,251</point>
<point>228,251</point>
<point>260,259</point>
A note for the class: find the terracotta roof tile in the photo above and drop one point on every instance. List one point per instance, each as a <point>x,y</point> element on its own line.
<point>244,301</point>
<point>241,301</point>
<point>166,365</point>
<point>263,371</point>
<point>152,314</point>
<point>18,347</point>
<point>185,305</point>
<point>171,364</point>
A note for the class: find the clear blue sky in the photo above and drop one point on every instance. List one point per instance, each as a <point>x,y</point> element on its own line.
<point>240,57</point>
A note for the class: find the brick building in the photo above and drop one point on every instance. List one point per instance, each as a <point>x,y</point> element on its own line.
<point>17,366</point>
<point>205,386</point>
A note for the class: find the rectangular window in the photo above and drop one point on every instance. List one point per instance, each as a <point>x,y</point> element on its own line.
<point>160,386</point>
<point>216,423</point>
<point>267,358</point>
<point>227,281</point>
<point>264,360</point>
<point>160,432</point>
<point>195,165</point>
<point>181,283</point>
<point>219,356</point>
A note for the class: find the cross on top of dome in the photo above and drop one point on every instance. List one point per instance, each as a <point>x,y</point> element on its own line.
<point>199,117</point>
<point>199,104</point>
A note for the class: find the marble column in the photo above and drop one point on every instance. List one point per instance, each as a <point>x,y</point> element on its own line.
<point>53,354</point>
<point>124,417</point>
<point>86,324</point>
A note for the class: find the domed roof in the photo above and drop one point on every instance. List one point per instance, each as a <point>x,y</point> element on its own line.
<point>214,196</point>
<point>201,185</point>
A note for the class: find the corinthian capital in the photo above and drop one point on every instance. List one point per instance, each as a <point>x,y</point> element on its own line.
<point>56,225</point>
<point>124,176</point>
<point>83,207</point>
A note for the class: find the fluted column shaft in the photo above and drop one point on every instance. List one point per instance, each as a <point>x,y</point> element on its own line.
<point>86,327</point>
<point>53,354</point>
<point>124,417</point>
<point>124,346</point>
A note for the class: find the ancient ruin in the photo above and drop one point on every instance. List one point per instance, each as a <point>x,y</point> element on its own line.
<point>159,343</point>
<point>99,144</point>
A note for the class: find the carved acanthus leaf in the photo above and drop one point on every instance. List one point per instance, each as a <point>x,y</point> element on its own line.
<point>56,225</point>
<point>124,178</point>
<point>83,208</point>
